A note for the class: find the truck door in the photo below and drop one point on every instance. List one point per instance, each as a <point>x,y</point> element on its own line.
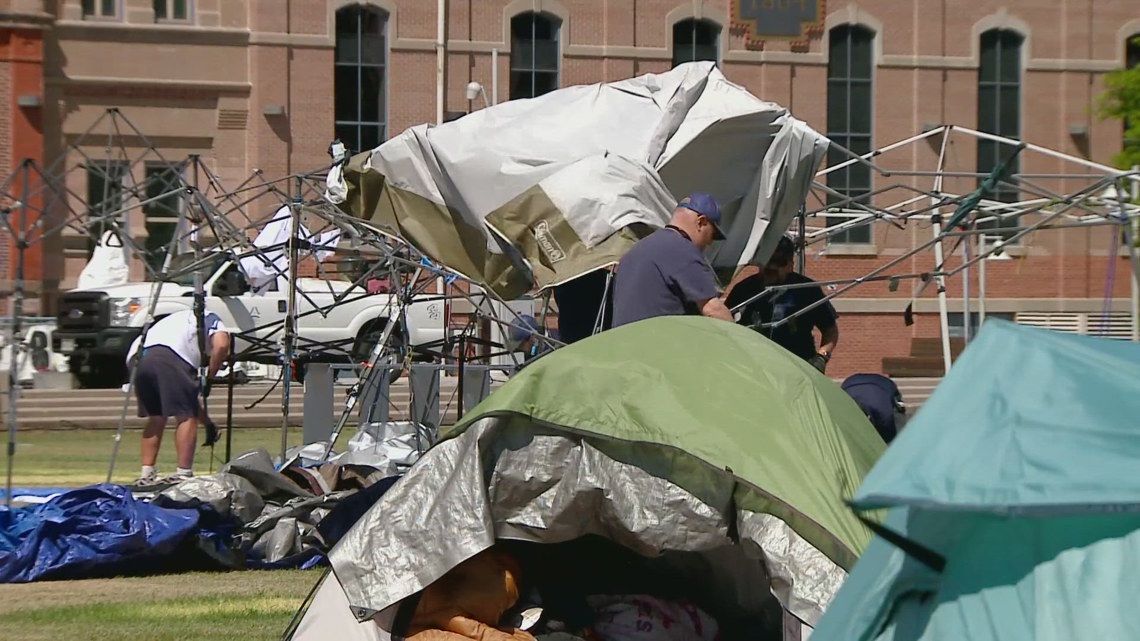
<point>254,319</point>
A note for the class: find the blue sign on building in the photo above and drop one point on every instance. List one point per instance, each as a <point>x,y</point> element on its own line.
<point>785,19</point>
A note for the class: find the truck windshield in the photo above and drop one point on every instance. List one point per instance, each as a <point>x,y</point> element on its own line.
<point>181,272</point>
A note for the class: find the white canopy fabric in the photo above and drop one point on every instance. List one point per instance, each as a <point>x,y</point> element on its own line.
<point>108,264</point>
<point>530,193</point>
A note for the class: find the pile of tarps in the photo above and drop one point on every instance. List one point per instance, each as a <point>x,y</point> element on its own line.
<point>533,193</point>
<point>1013,501</point>
<point>678,452</point>
<point>247,515</point>
<point>102,530</point>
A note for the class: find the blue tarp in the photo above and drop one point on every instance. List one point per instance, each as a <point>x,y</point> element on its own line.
<point>34,492</point>
<point>96,529</point>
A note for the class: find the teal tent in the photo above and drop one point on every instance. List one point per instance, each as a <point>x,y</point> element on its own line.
<point>1013,498</point>
<point>697,445</point>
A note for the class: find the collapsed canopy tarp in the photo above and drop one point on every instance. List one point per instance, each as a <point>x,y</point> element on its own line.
<point>536,192</point>
<point>676,434</point>
<point>1014,501</point>
<point>88,532</point>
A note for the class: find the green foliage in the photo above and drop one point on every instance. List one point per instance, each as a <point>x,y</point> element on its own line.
<point>1121,101</point>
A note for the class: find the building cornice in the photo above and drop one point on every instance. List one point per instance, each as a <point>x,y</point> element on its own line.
<point>26,19</point>
<point>101,82</point>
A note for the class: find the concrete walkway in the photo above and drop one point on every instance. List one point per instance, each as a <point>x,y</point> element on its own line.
<point>101,409</point>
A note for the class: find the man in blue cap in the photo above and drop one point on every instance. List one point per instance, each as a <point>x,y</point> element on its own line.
<point>665,274</point>
<point>523,334</point>
<point>880,399</point>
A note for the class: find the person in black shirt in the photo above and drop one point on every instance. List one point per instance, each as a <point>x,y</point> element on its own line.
<point>796,334</point>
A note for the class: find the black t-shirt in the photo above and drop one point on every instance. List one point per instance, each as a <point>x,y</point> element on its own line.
<point>579,301</point>
<point>795,335</point>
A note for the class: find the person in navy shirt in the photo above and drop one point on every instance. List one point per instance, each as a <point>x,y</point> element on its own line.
<point>666,274</point>
<point>796,335</point>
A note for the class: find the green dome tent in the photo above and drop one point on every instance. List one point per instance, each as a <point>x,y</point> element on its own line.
<point>1014,502</point>
<point>667,436</point>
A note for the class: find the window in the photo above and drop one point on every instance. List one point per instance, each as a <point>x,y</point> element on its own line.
<point>534,54</point>
<point>172,10</point>
<point>695,40</point>
<point>999,111</point>
<point>849,109</point>
<point>163,205</point>
<point>106,197</point>
<point>100,9</point>
<point>361,82</point>
<point>955,322</point>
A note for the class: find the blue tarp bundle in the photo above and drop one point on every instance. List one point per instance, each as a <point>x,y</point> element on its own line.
<point>95,529</point>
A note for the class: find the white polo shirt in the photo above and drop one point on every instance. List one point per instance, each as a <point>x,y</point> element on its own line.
<point>179,332</point>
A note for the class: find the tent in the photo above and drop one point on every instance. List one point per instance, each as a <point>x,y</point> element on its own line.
<point>533,193</point>
<point>686,440</point>
<point>1014,503</point>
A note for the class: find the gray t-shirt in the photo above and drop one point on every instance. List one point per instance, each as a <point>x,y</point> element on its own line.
<point>664,274</point>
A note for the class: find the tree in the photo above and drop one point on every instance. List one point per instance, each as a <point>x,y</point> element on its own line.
<point>1121,101</point>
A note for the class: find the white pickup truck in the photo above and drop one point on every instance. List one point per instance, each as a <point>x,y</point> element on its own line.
<point>95,328</point>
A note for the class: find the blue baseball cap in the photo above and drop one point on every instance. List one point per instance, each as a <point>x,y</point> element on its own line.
<point>705,205</point>
<point>524,327</point>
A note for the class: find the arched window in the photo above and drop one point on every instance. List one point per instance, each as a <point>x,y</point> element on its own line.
<point>694,40</point>
<point>999,108</point>
<point>849,109</point>
<point>534,54</point>
<point>361,81</point>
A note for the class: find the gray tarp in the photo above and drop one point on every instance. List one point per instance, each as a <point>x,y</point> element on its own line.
<point>510,479</point>
<point>531,193</point>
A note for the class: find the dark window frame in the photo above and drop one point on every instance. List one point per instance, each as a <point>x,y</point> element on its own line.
<point>111,175</point>
<point>368,71</point>
<point>696,39</point>
<point>102,9</point>
<point>850,123</point>
<point>1000,76</point>
<point>168,10</point>
<point>532,73</point>
<point>161,216</point>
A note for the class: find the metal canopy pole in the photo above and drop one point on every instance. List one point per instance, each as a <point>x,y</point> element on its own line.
<point>1133,225</point>
<point>289,335</point>
<point>940,281</point>
<point>16,335</point>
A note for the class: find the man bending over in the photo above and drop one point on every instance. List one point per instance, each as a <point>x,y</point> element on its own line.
<point>166,386</point>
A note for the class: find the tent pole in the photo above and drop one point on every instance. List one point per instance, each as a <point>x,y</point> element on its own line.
<point>16,335</point>
<point>288,338</point>
<point>801,241</point>
<point>967,326</point>
<point>943,312</point>
<point>1133,227</point>
<point>936,227</point>
<point>981,281</point>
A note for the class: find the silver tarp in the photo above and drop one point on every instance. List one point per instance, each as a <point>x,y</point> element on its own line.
<point>506,478</point>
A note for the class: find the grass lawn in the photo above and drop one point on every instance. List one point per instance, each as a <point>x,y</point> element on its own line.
<point>242,606</point>
<point>74,458</point>
<point>237,606</point>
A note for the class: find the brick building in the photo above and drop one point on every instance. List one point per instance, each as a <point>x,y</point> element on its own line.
<point>266,84</point>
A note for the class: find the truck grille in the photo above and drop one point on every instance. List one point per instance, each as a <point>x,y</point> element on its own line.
<point>83,311</point>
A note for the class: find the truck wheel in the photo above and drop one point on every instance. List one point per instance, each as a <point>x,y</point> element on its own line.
<point>394,355</point>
